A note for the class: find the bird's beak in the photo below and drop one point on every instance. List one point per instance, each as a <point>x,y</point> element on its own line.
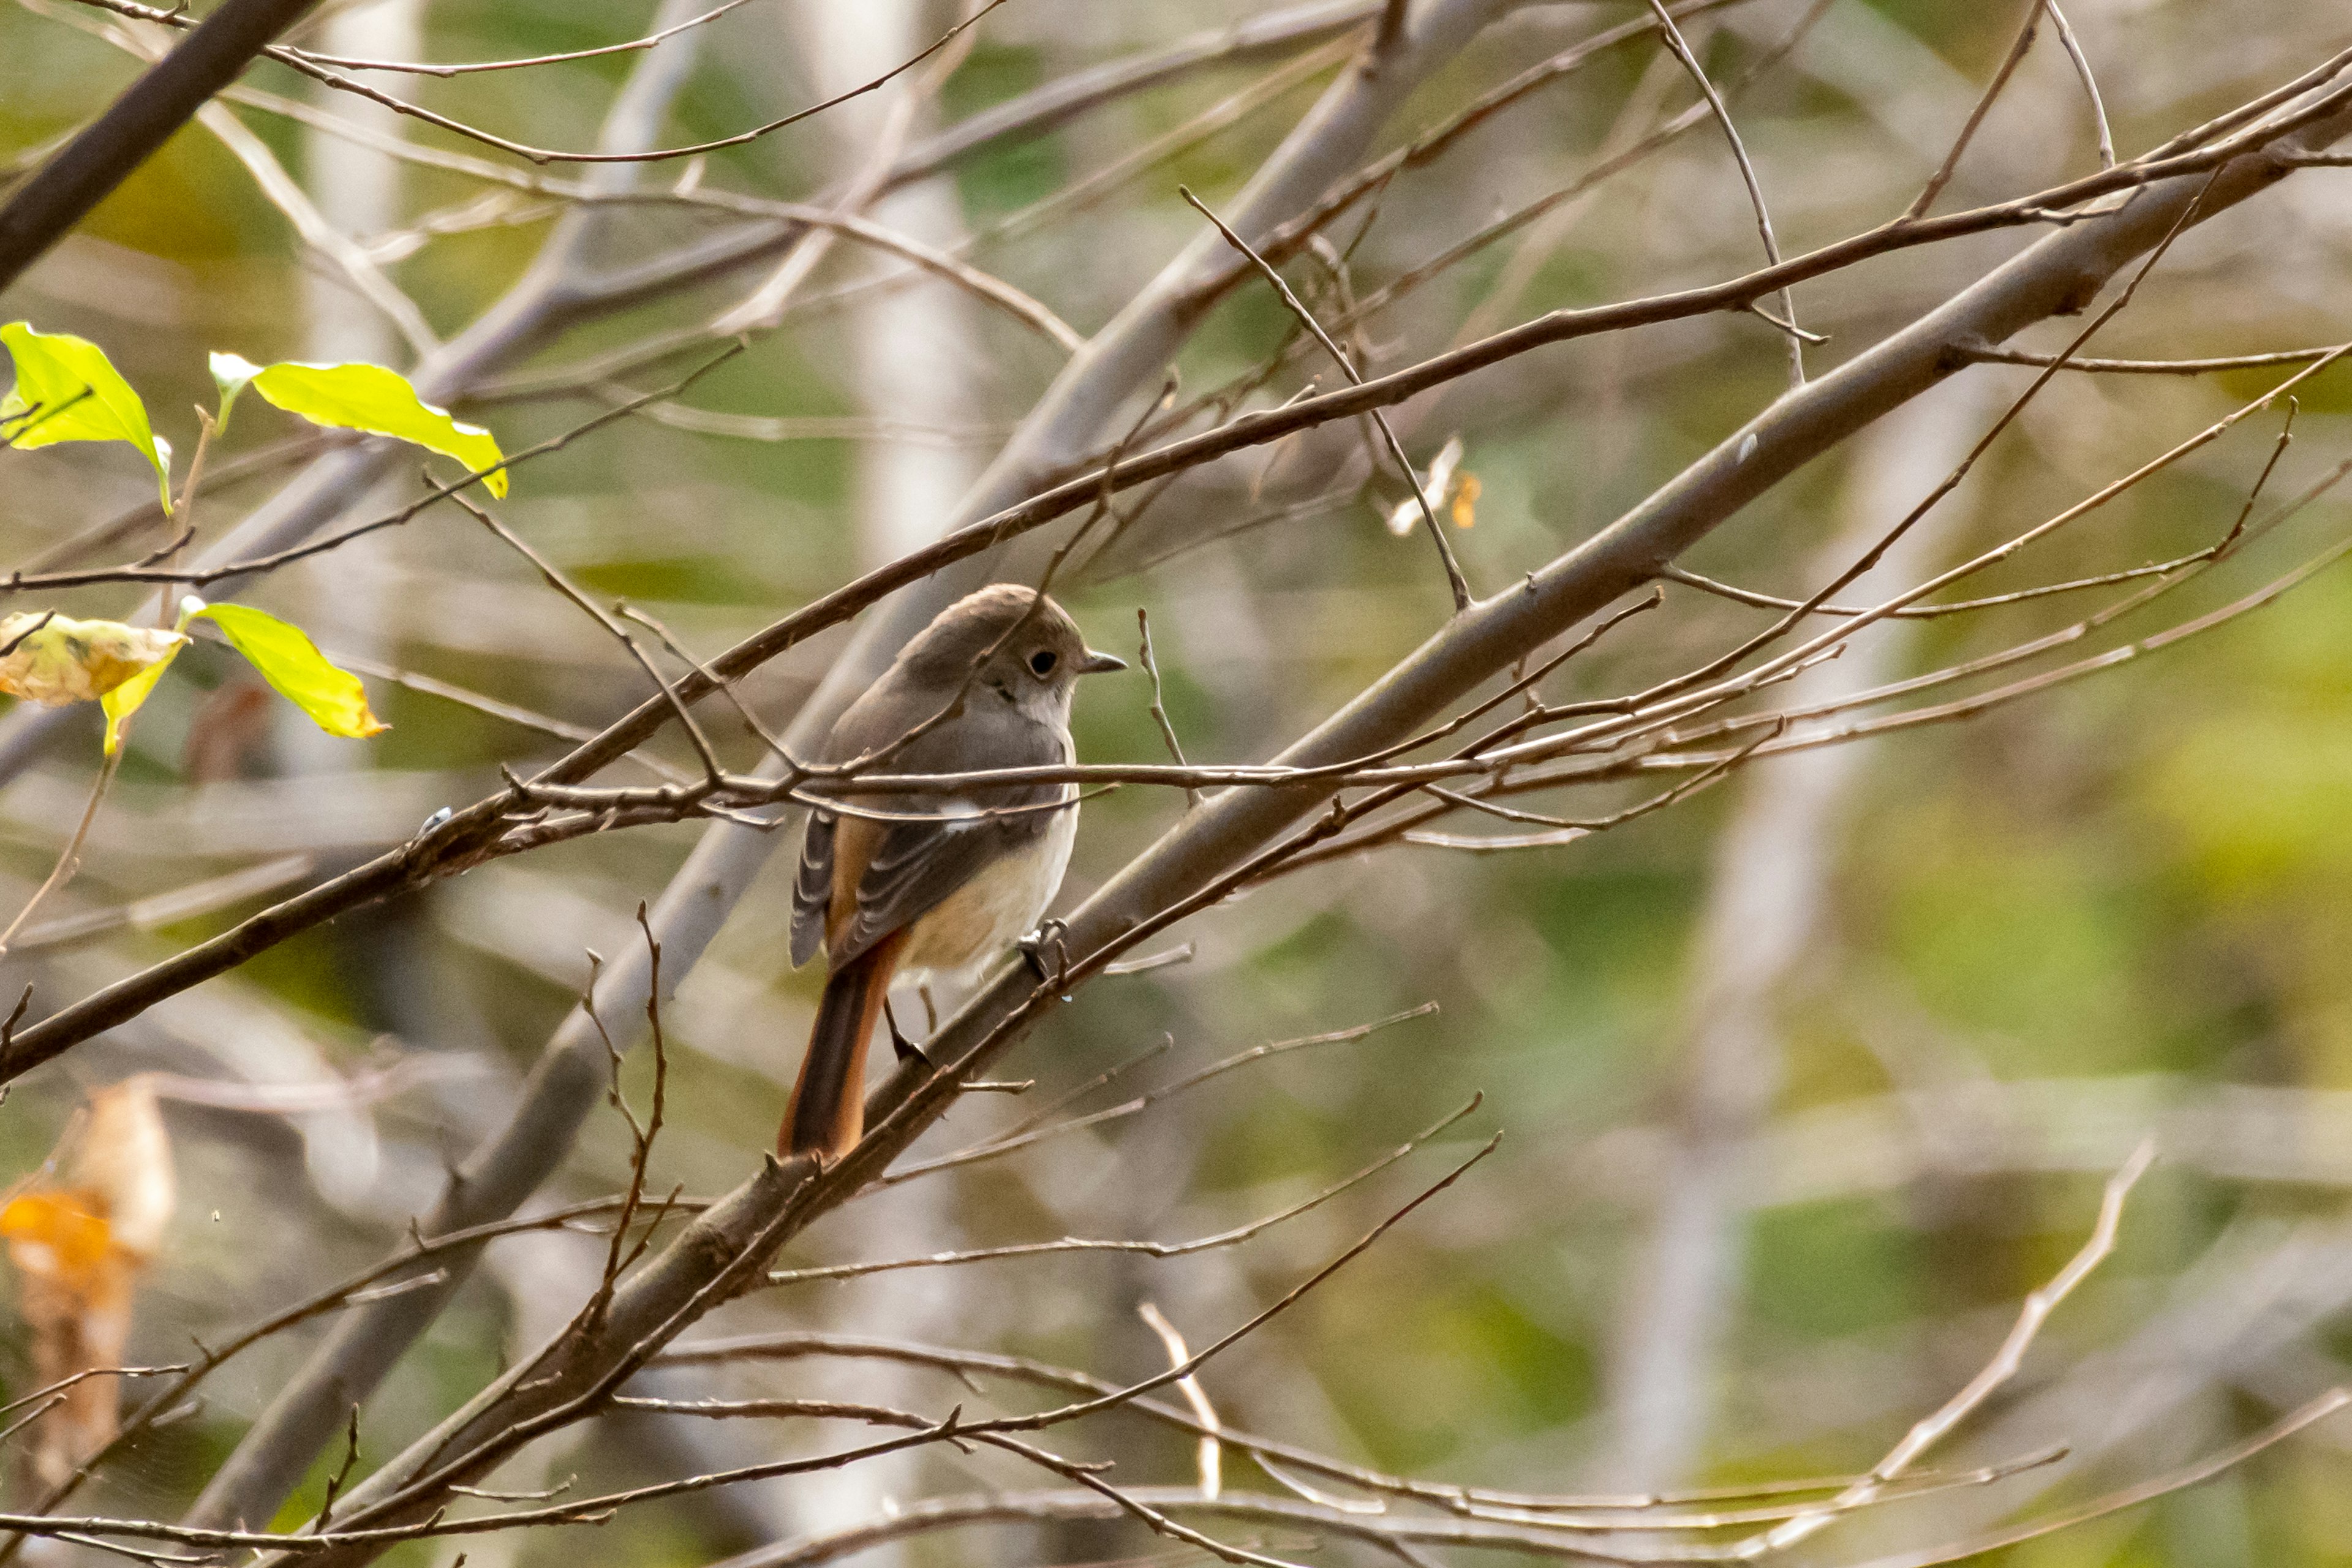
<point>1100,663</point>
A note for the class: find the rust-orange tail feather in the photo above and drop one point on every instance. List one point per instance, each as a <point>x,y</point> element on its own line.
<point>827,1112</point>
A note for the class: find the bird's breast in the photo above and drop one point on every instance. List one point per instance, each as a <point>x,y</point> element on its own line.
<point>996,908</point>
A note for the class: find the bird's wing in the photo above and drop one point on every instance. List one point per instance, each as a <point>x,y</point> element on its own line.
<point>916,864</point>
<point>813,889</point>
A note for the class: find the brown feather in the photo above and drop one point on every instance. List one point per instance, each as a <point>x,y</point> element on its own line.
<point>827,1111</point>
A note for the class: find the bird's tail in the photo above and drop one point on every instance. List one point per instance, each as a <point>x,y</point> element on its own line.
<point>827,1111</point>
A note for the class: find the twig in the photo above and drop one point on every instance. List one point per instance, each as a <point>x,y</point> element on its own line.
<point>70,859</point>
<point>2090,82</point>
<point>1029,1132</point>
<point>565,586</point>
<point>471,67</point>
<point>1656,1511</point>
<point>1943,174</point>
<point>1194,1363</point>
<point>1672,36</point>
<point>718,683</point>
<point>1568,832</point>
<point>1159,1249</point>
<point>319,1524</point>
<point>2193,1474</point>
<point>1159,709</point>
<point>1209,1457</point>
<point>1182,952</point>
<point>13,643</point>
<point>323,239</point>
<point>313,68</point>
<point>592,1316</point>
<point>1986,354</point>
<point>2003,1366</point>
<point>1453,578</point>
<point>1959,471</point>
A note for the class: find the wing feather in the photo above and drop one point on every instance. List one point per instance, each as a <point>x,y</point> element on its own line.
<point>918,863</point>
<point>813,888</point>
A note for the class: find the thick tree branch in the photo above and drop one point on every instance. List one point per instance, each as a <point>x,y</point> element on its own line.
<point>1233,833</point>
<point>938,573</point>
<point>1127,356</point>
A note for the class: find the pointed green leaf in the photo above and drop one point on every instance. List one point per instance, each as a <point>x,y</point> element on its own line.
<point>67,390</point>
<point>230,373</point>
<point>292,662</point>
<point>380,402</point>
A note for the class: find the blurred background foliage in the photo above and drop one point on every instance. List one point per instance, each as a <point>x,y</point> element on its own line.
<point>2024,942</point>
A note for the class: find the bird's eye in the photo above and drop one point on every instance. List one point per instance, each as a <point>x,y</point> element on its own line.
<point>1043,661</point>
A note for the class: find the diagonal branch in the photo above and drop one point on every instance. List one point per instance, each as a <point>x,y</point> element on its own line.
<point>314,67</point>
<point>1233,834</point>
<point>2053,277</point>
<point>1944,170</point>
<point>1124,358</point>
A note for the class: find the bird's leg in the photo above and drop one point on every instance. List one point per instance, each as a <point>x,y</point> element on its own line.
<point>906,1048</point>
<point>930,1008</point>
<point>1032,948</point>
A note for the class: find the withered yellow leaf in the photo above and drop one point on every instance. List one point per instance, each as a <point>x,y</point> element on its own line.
<point>112,1195</point>
<point>63,660</point>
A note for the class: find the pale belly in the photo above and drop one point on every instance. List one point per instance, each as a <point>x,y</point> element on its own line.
<point>994,909</point>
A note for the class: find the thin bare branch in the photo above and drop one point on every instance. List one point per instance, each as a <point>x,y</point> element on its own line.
<point>2003,1366</point>
<point>1944,170</point>
<point>1787,320</point>
<point>2090,82</point>
<point>1455,580</point>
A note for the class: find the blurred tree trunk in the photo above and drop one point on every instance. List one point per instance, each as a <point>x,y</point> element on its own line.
<point>914,362</point>
<point>1764,915</point>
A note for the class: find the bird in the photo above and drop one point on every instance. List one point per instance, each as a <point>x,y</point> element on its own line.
<point>918,885</point>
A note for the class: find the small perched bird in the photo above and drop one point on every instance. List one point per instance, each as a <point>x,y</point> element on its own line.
<point>919,884</point>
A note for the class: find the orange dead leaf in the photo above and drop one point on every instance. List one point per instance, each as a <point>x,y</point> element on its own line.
<point>78,1234</point>
<point>1465,501</point>
<point>58,1235</point>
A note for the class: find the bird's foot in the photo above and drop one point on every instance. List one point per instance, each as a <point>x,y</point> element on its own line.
<point>1050,933</point>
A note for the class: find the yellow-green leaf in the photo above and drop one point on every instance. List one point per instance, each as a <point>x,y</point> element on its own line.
<point>292,662</point>
<point>124,700</point>
<point>67,390</point>
<point>380,402</point>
